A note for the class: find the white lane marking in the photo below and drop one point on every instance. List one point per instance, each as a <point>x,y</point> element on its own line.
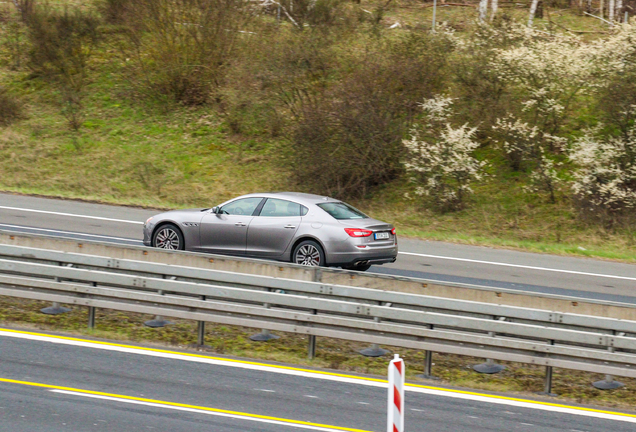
<point>194,410</point>
<point>402,253</point>
<point>363,403</point>
<point>312,396</point>
<point>317,375</point>
<point>71,215</point>
<point>67,232</point>
<point>265,390</point>
<point>521,266</point>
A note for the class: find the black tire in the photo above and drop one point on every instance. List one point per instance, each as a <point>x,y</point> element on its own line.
<point>169,237</point>
<point>308,253</point>
<point>358,267</point>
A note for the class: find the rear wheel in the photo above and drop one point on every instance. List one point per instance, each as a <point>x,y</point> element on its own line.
<point>168,237</point>
<point>358,267</point>
<point>308,253</point>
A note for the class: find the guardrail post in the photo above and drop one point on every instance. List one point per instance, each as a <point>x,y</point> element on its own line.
<point>200,332</point>
<point>158,320</point>
<point>490,367</point>
<point>265,334</point>
<point>311,348</point>
<point>56,309</point>
<point>547,390</point>
<point>608,383</point>
<point>428,363</point>
<point>374,350</point>
<point>91,317</point>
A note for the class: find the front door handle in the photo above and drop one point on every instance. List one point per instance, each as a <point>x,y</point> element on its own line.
<point>239,224</point>
<point>290,226</point>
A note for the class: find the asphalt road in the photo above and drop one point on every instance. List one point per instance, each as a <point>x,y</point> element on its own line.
<point>574,277</point>
<point>48,385</point>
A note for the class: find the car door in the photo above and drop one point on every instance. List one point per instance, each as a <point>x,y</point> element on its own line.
<point>226,231</point>
<point>271,232</point>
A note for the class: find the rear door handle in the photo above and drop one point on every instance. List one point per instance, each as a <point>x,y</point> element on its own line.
<point>290,226</point>
<point>239,224</point>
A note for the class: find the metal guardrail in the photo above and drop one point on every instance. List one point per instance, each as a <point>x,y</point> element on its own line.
<point>328,276</point>
<point>501,332</point>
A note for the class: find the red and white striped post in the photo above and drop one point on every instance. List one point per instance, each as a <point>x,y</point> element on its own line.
<point>395,421</point>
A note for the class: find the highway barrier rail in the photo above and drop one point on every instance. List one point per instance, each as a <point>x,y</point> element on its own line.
<point>416,320</point>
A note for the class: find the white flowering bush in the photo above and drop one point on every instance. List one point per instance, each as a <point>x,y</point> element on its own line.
<point>615,67</point>
<point>440,157</point>
<point>525,148</point>
<point>606,180</point>
<point>548,72</point>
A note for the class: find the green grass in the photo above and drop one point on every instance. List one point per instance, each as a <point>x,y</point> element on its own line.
<point>141,152</point>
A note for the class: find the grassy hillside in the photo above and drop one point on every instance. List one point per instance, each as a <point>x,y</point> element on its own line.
<point>141,148</point>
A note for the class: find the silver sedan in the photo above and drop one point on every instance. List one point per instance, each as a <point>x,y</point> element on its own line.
<point>305,229</point>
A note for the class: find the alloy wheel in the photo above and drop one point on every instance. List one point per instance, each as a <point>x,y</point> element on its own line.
<point>308,255</point>
<point>167,238</point>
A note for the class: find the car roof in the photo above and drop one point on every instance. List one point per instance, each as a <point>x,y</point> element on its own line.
<point>299,197</point>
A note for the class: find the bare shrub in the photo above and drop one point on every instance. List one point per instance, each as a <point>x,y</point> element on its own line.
<point>348,138</point>
<point>182,47</point>
<point>10,108</point>
<point>61,45</point>
<point>13,38</point>
<point>349,141</point>
<point>25,8</point>
<point>115,11</point>
<point>303,13</point>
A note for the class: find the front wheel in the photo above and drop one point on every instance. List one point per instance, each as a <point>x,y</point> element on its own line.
<point>308,253</point>
<point>168,237</point>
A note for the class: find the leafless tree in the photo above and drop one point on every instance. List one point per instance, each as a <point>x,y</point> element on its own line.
<point>533,11</point>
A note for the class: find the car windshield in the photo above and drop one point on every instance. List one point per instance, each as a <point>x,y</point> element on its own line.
<point>342,211</point>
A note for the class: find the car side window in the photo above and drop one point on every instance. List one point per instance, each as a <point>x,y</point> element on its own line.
<point>245,206</point>
<point>280,208</point>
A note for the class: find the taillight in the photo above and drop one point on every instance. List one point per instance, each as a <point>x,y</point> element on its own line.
<point>393,231</point>
<point>358,232</point>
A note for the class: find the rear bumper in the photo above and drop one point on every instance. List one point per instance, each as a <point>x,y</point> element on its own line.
<point>363,257</point>
<point>373,261</point>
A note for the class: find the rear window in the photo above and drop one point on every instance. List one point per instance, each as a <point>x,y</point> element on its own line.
<point>342,211</point>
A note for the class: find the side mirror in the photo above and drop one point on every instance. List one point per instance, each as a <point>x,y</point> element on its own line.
<point>215,210</point>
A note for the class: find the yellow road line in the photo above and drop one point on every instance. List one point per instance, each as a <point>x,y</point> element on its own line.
<point>180,405</point>
<point>318,372</point>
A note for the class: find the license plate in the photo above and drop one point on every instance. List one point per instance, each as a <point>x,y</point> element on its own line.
<point>381,236</point>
